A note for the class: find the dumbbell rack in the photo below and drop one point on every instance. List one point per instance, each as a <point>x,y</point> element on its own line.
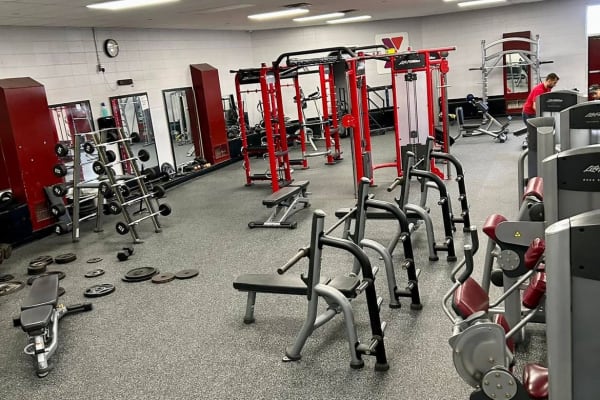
<point>71,223</point>
<point>123,140</point>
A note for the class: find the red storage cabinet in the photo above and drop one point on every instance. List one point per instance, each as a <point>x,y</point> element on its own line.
<point>207,90</point>
<point>27,139</point>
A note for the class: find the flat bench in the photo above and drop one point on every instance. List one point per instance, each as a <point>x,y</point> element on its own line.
<point>285,202</point>
<point>286,284</point>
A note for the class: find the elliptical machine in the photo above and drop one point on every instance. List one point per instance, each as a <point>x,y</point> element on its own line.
<point>489,125</point>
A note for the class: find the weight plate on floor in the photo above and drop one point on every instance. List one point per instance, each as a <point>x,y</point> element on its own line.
<point>65,258</point>
<point>10,287</point>
<point>142,279</point>
<point>163,278</point>
<point>94,260</point>
<point>42,259</point>
<point>36,268</point>
<point>94,273</point>
<point>60,274</point>
<point>99,290</point>
<point>61,291</point>
<point>6,277</point>
<point>187,273</point>
<point>142,272</point>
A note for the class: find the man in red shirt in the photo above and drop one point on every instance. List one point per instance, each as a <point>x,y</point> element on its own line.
<point>529,110</point>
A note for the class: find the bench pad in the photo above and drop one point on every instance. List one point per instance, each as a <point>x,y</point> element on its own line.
<point>272,283</point>
<point>44,291</point>
<point>281,195</point>
<point>345,284</point>
<point>37,318</point>
<point>470,298</point>
<point>535,380</point>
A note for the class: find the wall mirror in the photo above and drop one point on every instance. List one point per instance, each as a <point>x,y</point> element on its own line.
<point>132,114</point>
<point>70,119</point>
<point>182,120</point>
<point>517,73</point>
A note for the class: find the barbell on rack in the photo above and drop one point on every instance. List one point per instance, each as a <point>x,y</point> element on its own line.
<point>115,207</point>
<point>123,228</point>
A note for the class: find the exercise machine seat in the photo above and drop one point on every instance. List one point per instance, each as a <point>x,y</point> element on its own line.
<point>470,298</point>
<point>460,117</point>
<point>535,188</point>
<point>346,285</point>
<point>44,292</point>
<point>490,224</point>
<point>36,319</point>
<point>535,291</point>
<point>534,252</point>
<point>535,380</point>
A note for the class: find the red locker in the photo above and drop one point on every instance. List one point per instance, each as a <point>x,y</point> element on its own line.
<point>27,139</point>
<point>207,89</point>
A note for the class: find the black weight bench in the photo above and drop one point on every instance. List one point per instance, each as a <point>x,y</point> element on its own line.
<point>286,284</point>
<point>285,202</point>
<point>39,318</point>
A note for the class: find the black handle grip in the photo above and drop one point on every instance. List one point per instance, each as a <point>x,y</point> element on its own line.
<point>468,265</point>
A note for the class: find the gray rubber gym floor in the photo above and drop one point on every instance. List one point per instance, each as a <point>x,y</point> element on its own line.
<point>186,339</point>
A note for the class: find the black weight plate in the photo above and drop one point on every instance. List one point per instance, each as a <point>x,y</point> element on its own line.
<point>10,287</point>
<point>36,269</point>
<point>187,273</point>
<point>99,290</point>
<point>142,272</point>
<point>61,291</point>
<point>60,274</point>
<point>42,259</point>
<point>94,260</point>
<point>6,277</point>
<point>94,273</point>
<point>163,277</point>
<point>65,258</point>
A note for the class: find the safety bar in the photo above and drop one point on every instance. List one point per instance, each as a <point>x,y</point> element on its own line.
<point>303,252</point>
<point>350,214</point>
<point>346,50</point>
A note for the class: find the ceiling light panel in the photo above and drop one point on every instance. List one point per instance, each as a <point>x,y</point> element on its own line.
<point>290,12</point>
<point>479,3</point>
<point>125,4</point>
<point>319,17</point>
<point>349,20</point>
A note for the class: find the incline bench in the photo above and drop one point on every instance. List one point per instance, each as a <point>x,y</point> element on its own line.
<point>285,202</point>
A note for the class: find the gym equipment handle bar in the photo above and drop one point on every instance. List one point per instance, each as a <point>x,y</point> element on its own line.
<point>303,252</point>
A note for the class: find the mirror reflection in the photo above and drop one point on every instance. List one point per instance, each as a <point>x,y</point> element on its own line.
<point>516,73</point>
<point>183,127</point>
<point>70,119</point>
<point>132,114</point>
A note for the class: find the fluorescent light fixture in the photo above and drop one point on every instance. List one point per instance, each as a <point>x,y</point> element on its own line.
<point>319,17</point>
<point>479,3</point>
<point>350,19</point>
<point>124,4</point>
<point>289,12</point>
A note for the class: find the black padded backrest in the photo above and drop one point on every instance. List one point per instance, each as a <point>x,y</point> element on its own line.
<point>44,291</point>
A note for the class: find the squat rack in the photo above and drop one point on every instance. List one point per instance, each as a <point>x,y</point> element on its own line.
<point>274,124</point>
<point>329,123</point>
<point>489,62</point>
